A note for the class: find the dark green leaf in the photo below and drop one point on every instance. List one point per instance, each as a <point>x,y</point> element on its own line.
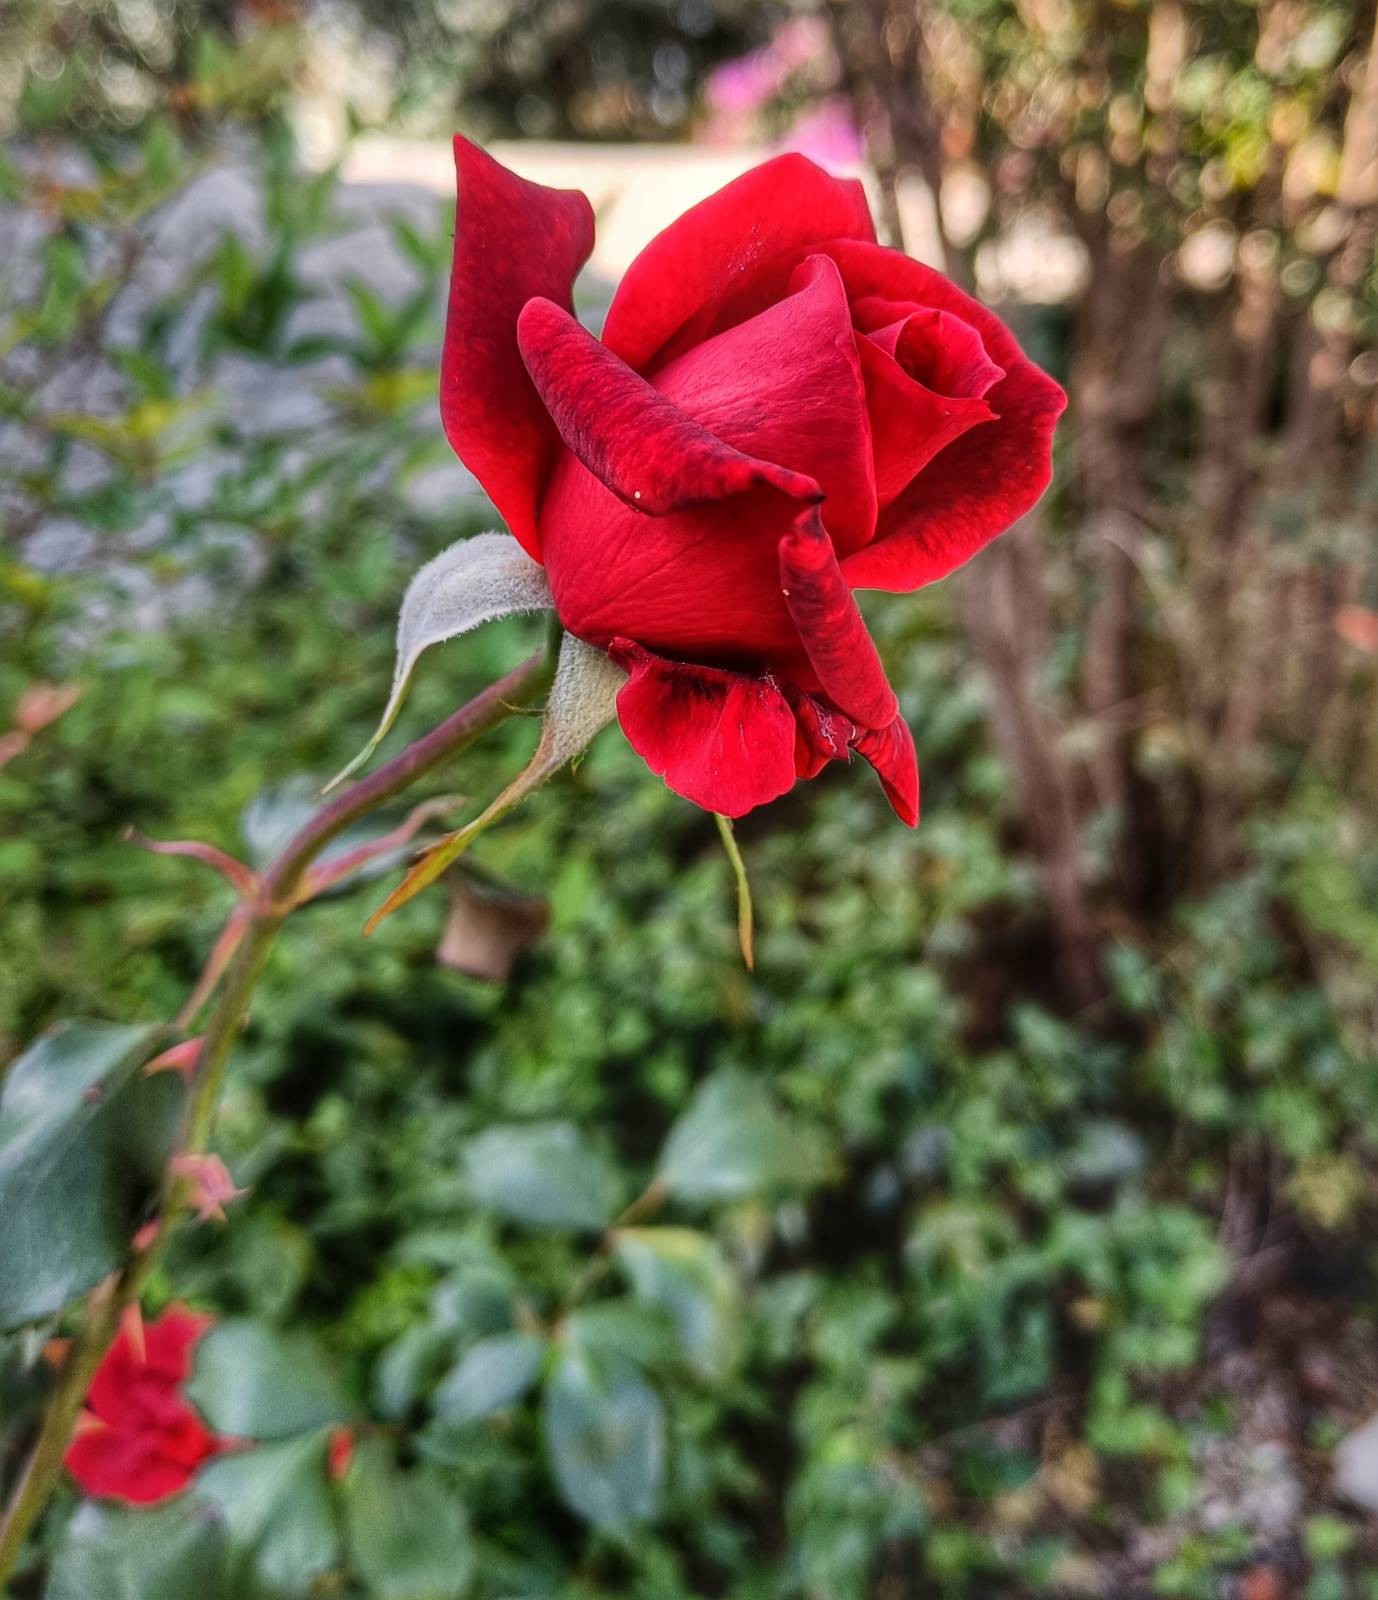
<point>544,1175</point>
<point>83,1134</point>
<point>409,1365</point>
<point>254,1382</point>
<point>684,1273</point>
<point>731,1142</point>
<point>276,1511</point>
<point>168,1553</point>
<point>491,1376</point>
<point>408,1533</point>
<point>605,1437</point>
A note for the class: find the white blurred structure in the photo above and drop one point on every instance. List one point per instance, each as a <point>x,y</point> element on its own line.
<point>636,189</point>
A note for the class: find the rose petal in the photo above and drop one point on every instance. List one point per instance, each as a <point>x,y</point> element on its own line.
<point>721,739</point>
<point>976,487</point>
<point>839,645</point>
<point>926,372</point>
<point>636,441</point>
<point>822,735</point>
<point>653,527</point>
<point>890,750</point>
<point>910,424</point>
<point>140,1466</point>
<point>786,386</point>
<point>170,1340</point>
<point>513,240</point>
<point>779,206</point>
<point>140,1368</point>
<point>937,349</point>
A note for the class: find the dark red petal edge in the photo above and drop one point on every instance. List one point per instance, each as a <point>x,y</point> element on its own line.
<point>513,240</point>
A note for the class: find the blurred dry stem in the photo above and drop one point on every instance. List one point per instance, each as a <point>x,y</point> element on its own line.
<point>1201,581</point>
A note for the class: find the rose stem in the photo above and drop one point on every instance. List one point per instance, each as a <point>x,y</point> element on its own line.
<point>265,915</point>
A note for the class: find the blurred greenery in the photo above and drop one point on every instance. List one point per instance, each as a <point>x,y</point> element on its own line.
<point>893,1268</point>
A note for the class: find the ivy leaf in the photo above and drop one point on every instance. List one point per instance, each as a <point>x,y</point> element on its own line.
<point>544,1174</point>
<point>732,1142</point>
<point>164,1553</point>
<point>683,1272</point>
<point>583,699</point>
<point>605,1438</point>
<point>83,1135</point>
<point>624,1330</point>
<point>491,1376</point>
<point>473,582</point>
<point>408,1533</point>
<point>275,1508</point>
<point>409,1365</point>
<point>253,1382</point>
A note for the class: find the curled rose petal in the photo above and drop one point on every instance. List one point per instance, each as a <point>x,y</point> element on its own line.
<point>721,739</point>
<point>835,635</point>
<point>910,423</point>
<point>776,207</point>
<point>514,240</point>
<point>650,453</point>
<point>890,750</point>
<point>821,735</point>
<point>984,481</point>
<point>786,386</point>
<point>681,517</point>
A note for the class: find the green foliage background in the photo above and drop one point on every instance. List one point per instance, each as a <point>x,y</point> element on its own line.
<point>926,1274</point>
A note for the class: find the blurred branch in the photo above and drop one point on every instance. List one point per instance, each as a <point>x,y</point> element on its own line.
<point>1003,602</point>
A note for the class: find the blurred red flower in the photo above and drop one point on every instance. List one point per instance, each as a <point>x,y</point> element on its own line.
<point>339,1453</point>
<point>138,1439</point>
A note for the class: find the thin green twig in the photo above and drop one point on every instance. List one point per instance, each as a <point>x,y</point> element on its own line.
<point>746,918</point>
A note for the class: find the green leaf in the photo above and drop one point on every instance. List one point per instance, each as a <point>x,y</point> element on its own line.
<point>582,701</point>
<point>408,1533</point>
<point>254,1382</point>
<point>475,581</point>
<point>409,1365</point>
<point>605,1438</point>
<point>492,1375</point>
<point>83,1135</point>
<point>624,1330</point>
<point>276,1511</point>
<point>731,1142</point>
<point>167,1553</point>
<point>162,153</point>
<point>544,1175</point>
<point>684,1273</point>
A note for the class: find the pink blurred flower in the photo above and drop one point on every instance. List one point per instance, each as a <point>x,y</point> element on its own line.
<point>827,134</point>
<point>1357,625</point>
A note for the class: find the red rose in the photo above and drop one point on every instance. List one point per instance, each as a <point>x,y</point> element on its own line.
<point>780,411</point>
<point>339,1453</point>
<point>138,1439</point>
